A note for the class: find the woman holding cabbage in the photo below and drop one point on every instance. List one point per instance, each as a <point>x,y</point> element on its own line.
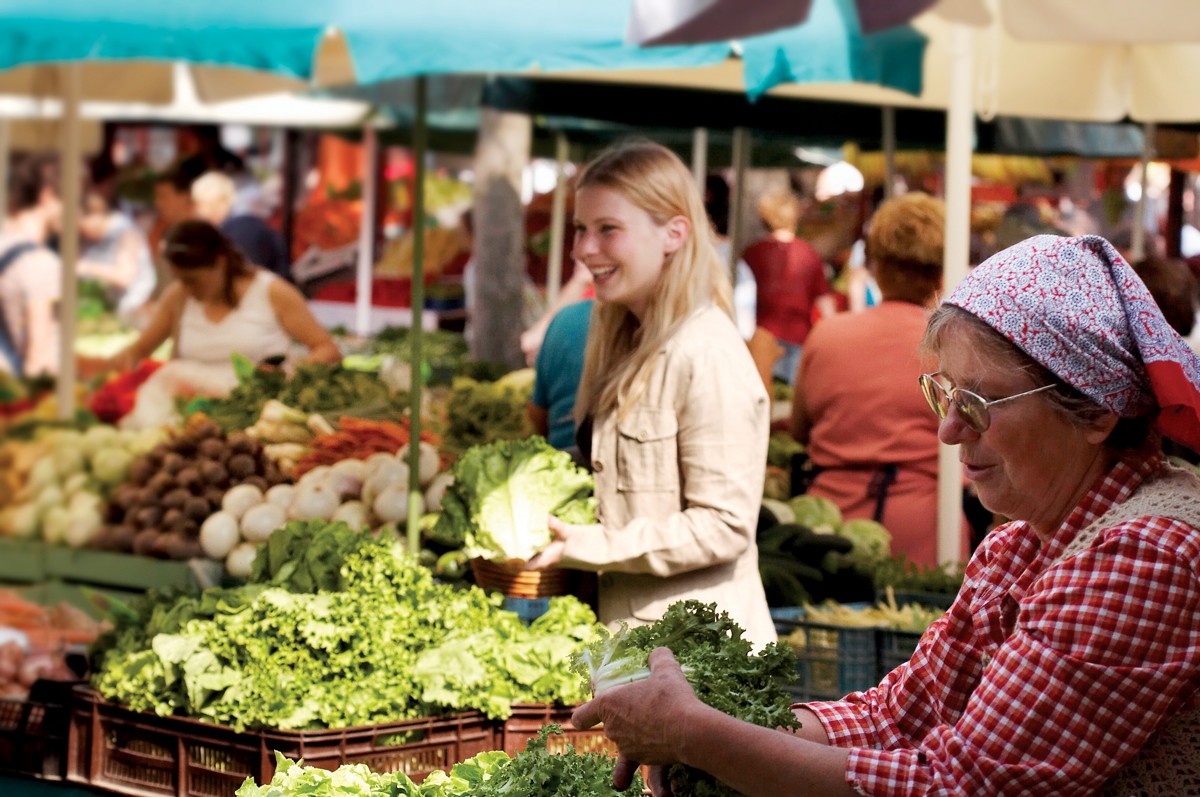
<point>672,415</point>
<point>1069,663</point>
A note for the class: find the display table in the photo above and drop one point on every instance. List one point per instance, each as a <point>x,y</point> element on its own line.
<point>343,314</point>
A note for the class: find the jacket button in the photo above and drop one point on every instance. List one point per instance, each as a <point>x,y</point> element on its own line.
<point>598,466</point>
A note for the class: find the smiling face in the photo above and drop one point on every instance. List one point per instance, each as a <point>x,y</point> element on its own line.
<point>622,246</point>
<point>1032,463</point>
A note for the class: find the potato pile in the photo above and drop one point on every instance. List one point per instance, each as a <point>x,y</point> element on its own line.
<point>172,490</point>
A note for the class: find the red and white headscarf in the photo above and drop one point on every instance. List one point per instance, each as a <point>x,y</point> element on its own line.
<point>1076,307</point>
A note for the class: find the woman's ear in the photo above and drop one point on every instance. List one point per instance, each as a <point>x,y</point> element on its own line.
<point>1099,429</point>
<point>677,230</point>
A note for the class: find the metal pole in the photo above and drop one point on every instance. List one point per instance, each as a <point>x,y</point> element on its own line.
<point>365,272</point>
<point>420,135</point>
<point>700,156</point>
<point>70,192</point>
<point>889,151</point>
<point>960,119</point>
<point>5,147</point>
<point>741,157</point>
<point>558,218</point>
<point>1138,245</point>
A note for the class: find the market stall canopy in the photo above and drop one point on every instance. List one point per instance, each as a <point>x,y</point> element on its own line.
<point>804,121</point>
<point>1060,59</point>
<point>655,22</point>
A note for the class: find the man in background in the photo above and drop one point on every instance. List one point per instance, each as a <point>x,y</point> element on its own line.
<point>213,197</point>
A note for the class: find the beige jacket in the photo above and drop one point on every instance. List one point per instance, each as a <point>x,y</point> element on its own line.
<point>679,481</point>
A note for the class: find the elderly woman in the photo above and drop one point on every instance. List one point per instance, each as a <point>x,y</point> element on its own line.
<point>869,434</point>
<point>1069,662</point>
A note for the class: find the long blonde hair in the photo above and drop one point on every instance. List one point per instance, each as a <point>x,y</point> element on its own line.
<point>620,351</point>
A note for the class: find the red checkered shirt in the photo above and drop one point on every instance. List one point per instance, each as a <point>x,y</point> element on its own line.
<point>1044,677</point>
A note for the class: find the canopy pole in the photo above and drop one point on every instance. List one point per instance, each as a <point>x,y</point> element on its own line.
<point>420,145</point>
<point>741,157</point>
<point>960,119</point>
<point>70,191</point>
<point>558,219</point>
<point>5,154</point>
<point>365,271</point>
<point>1138,245</point>
<point>700,157</point>
<point>889,151</point>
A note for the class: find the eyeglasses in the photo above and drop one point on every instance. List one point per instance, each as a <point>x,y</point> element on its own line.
<point>973,408</point>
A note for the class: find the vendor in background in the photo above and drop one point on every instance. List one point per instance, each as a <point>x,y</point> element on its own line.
<point>219,305</point>
<point>672,416</point>
<point>114,251</point>
<point>30,272</point>
<point>213,197</point>
<point>1068,663</point>
<point>790,278</point>
<point>869,434</point>
<point>557,373</point>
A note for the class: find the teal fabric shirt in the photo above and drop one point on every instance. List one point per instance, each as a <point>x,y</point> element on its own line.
<point>559,368</point>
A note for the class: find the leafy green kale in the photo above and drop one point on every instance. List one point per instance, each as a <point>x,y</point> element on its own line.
<point>503,493</point>
<point>719,664</point>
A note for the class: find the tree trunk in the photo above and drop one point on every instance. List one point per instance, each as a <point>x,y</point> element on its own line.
<point>501,156</point>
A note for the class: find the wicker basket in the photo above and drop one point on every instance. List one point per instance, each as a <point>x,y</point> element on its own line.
<point>515,583</point>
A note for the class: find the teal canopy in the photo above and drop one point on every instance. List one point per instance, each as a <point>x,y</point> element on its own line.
<point>410,37</point>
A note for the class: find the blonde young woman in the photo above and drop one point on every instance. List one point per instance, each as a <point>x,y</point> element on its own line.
<point>672,415</point>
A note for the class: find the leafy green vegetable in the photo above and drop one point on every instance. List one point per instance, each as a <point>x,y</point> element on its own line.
<point>819,514</point>
<point>503,493</point>
<point>719,665</point>
<point>871,544</point>
<point>372,638</point>
<point>538,772</point>
<point>533,772</point>
<point>483,412</point>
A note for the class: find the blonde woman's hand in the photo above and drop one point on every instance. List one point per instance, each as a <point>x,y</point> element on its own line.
<point>552,554</point>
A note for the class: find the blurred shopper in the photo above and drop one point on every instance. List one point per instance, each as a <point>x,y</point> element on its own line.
<point>672,416</point>
<point>213,196</point>
<point>558,370</point>
<point>745,290</point>
<point>220,305</point>
<point>114,251</point>
<point>869,433</point>
<point>790,277</point>
<point>30,273</point>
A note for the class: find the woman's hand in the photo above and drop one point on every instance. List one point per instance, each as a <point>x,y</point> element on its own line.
<point>552,554</point>
<point>646,719</point>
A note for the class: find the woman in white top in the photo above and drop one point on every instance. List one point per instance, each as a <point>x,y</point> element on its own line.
<point>220,305</point>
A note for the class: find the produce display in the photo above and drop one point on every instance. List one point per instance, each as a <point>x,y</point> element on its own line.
<point>502,493</point>
<point>533,772</point>
<point>324,389</point>
<point>335,628</point>
<point>483,412</point>
<point>63,496</point>
<point>175,487</point>
<point>719,663</point>
<point>356,438</point>
<point>36,641</point>
<point>362,494</point>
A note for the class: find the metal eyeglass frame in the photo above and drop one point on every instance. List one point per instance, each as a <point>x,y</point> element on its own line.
<point>977,413</point>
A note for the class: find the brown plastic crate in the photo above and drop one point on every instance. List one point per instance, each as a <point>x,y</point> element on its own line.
<point>145,755</point>
<point>414,747</point>
<point>529,718</point>
<point>33,732</point>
